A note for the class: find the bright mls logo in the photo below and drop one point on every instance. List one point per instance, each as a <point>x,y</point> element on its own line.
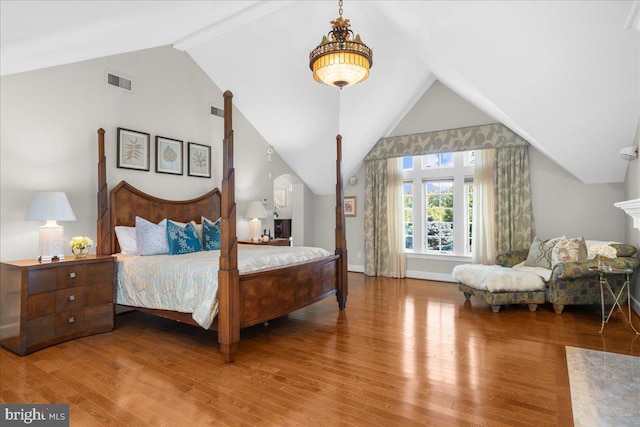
<point>35,415</point>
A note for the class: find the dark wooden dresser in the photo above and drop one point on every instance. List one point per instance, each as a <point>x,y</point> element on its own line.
<point>42,304</point>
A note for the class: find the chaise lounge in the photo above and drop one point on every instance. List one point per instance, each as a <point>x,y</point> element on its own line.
<point>565,283</point>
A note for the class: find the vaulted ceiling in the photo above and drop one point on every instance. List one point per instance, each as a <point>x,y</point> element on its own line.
<point>564,75</point>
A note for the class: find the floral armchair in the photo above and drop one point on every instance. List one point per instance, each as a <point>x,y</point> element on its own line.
<point>572,282</point>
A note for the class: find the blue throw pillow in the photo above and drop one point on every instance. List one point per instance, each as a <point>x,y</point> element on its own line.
<point>182,240</point>
<point>211,234</point>
<point>151,238</point>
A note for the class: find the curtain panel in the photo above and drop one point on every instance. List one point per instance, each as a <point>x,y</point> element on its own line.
<point>484,211</point>
<point>514,217</point>
<point>376,233</point>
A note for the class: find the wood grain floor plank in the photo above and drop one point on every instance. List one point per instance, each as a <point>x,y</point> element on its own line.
<point>404,352</point>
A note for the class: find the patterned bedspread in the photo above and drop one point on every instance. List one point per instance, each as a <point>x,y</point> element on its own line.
<point>189,283</point>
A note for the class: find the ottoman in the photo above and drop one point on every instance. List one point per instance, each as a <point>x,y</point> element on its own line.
<point>497,285</point>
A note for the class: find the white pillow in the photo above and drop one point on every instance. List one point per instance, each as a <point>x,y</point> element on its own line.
<point>127,239</point>
<point>591,243</point>
<point>151,238</point>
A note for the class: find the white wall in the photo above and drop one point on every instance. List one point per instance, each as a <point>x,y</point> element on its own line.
<point>561,203</point>
<point>48,138</point>
<point>632,235</point>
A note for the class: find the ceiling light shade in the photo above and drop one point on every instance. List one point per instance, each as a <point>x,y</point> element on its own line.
<point>341,61</point>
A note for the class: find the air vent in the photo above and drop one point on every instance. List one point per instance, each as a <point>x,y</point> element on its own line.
<point>217,111</point>
<point>119,81</point>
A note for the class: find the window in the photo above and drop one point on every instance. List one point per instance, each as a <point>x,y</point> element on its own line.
<point>439,209</point>
<point>438,203</point>
<point>407,192</point>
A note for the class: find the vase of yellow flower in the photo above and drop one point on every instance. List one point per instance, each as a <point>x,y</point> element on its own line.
<point>80,246</point>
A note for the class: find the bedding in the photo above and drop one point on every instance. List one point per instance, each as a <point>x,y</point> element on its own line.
<point>188,283</point>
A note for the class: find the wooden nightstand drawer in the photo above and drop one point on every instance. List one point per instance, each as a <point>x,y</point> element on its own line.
<point>70,298</point>
<point>98,317</point>
<point>40,329</point>
<point>71,276</point>
<point>41,281</point>
<point>42,304</point>
<point>69,321</point>
<point>100,273</point>
<point>99,294</point>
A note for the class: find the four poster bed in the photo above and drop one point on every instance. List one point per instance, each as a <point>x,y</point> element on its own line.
<point>243,298</point>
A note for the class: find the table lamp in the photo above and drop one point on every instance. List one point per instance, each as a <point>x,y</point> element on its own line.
<point>255,210</point>
<point>50,206</point>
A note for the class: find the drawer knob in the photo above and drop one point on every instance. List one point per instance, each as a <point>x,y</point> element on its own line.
<point>72,297</point>
<point>72,320</point>
<point>72,275</point>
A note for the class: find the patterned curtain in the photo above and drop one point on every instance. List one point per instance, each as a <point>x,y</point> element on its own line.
<point>514,219</point>
<point>376,235</point>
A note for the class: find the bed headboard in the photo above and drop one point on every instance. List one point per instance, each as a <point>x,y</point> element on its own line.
<point>126,202</point>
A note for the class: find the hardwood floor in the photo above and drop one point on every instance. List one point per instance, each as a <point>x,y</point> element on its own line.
<point>405,352</point>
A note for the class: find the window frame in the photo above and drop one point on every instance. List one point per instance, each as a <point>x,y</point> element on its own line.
<point>461,173</point>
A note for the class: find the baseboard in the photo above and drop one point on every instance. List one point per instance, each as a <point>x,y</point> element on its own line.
<point>425,275</point>
<point>635,305</point>
<point>356,268</point>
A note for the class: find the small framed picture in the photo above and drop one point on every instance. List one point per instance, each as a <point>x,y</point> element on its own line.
<point>350,207</point>
<point>133,149</point>
<point>168,155</point>
<point>199,160</point>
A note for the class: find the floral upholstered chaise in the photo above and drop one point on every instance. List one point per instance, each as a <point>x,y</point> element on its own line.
<point>565,279</point>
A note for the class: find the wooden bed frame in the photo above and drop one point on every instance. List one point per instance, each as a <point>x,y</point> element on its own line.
<point>243,299</point>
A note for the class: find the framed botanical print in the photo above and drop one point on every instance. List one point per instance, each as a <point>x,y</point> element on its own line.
<point>168,155</point>
<point>350,207</point>
<point>133,149</point>
<point>199,162</point>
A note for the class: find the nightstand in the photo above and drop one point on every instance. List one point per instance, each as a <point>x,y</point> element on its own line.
<point>42,304</point>
<point>272,242</point>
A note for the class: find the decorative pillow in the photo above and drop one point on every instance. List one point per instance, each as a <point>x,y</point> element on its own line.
<point>127,239</point>
<point>151,238</point>
<point>624,249</point>
<point>182,240</point>
<point>540,252</point>
<point>211,234</point>
<point>569,250</point>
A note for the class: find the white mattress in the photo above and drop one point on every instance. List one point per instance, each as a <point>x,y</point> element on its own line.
<point>189,283</point>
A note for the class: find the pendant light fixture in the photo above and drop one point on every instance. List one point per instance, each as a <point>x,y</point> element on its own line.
<point>341,61</point>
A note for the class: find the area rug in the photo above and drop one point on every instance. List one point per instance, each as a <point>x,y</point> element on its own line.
<point>605,388</point>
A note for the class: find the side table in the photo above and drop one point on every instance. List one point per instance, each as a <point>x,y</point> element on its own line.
<point>616,298</point>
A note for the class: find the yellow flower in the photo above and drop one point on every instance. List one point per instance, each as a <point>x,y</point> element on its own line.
<point>81,242</point>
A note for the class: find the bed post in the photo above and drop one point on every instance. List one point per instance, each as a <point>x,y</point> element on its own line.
<point>342,284</point>
<point>228,275</point>
<point>103,246</point>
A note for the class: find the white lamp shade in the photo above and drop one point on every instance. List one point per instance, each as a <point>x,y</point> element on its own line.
<point>50,206</point>
<point>255,209</point>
